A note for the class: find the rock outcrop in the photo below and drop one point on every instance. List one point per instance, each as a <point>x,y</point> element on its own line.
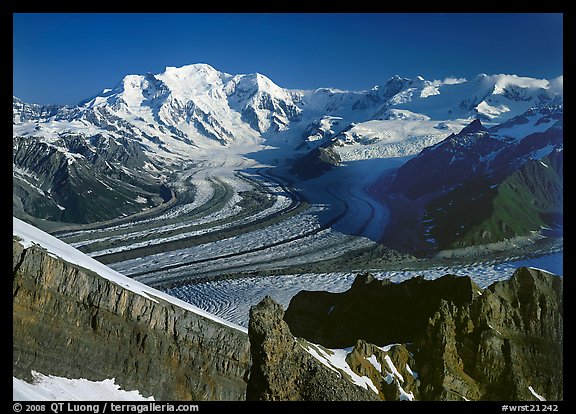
<point>389,369</point>
<point>338,320</point>
<point>502,343</point>
<point>70,322</point>
<point>281,368</point>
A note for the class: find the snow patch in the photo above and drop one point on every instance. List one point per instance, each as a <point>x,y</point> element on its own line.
<point>387,348</point>
<point>491,111</point>
<point>53,388</point>
<point>411,372</point>
<point>335,359</point>
<point>372,359</point>
<point>395,372</point>
<point>535,394</point>
<point>405,396</point>
<point>389,378</point>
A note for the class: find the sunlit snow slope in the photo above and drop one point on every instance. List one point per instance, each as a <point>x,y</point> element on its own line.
<point>186,112</point>
<point>51,388</point>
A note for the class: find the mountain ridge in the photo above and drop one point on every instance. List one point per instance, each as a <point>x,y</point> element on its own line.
<point>444,339</point>
<point>116,328</point>
<point>191,102</point>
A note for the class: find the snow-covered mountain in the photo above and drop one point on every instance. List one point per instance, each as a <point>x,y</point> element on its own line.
<point>477,151</point>
<point>125,143</point>
<point>189,109</point>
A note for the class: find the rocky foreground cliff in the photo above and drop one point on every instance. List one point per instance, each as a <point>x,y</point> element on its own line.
<point>446,339</point>
<point>70,322</point>
<point>283,369</point>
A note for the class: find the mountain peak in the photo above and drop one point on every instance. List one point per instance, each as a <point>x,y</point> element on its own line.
<point>396,79</point>
<point>393,86</point>
<point>189,69</point>
<point>253,83</point>
<point>258,80</point>
<point>195,72</point>
<point>473,127</point>
<point>192,80</point>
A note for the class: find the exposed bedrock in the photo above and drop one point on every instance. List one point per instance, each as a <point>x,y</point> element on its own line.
<point>70,322</point>
<point>501,343</point>
<point>283,371</point>
<point>443,339</point>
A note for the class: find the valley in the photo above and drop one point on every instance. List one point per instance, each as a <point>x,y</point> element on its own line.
<point>196,176</point>
<point>228,221</point>
<point>287,207</point>
<point>236,233</point>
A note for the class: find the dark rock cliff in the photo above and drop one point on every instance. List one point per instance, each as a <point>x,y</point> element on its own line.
<point>338,320</point>
<point>70,322</point>
<point>283,371</point>
<point>502,343</point>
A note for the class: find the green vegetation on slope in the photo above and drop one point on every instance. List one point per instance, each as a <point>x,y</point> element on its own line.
<point>526,201</point>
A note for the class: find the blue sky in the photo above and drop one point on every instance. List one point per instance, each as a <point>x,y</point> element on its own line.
<point>64,58</point>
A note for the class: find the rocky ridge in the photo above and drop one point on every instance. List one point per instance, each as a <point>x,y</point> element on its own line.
<point>481,186</point>
<point>70,322</point>
<point>450,340</point>
<point>282,370</point>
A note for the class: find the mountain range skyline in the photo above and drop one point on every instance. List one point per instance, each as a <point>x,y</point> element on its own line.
<point>202,105</point>
<point>353,51</point>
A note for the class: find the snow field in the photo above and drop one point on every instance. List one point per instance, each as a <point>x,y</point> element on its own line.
<point>53,388</point>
